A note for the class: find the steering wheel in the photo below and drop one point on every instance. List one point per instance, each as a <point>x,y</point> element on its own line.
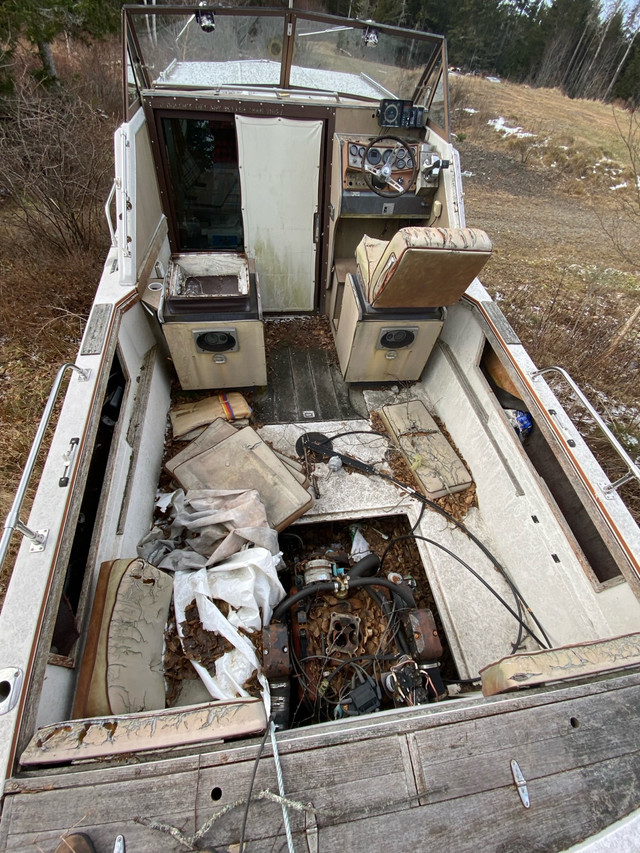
<point>377,176</point>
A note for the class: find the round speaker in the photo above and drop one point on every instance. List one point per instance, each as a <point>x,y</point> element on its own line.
<point>216,341</point>
<point>397,339</point>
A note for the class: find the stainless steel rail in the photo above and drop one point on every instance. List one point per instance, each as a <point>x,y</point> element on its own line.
<point>107,213</point>
<point>39,537</point>
<point>634,471</point>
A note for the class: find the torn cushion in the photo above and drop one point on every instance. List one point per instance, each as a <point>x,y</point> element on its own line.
<point>122,671</point>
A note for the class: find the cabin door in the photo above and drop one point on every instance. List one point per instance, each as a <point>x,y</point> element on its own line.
<point>279,174</point>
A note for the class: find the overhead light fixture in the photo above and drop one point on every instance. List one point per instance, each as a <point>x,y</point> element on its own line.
<point>206,20</point>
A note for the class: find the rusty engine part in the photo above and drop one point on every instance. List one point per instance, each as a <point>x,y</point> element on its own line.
<point>358,643</point>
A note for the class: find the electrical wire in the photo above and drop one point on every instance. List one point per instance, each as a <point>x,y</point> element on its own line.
<point>252,782</point>
<point>519,598</point>
<point>473,572</point>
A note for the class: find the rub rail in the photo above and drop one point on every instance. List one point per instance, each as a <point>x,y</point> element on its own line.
<point>13,522</point>
<point>634,471</point>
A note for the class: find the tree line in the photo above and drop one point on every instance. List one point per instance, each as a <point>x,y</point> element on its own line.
<point>586,48</point>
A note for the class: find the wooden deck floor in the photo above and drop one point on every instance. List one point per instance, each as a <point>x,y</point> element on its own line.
<point>437,779</point>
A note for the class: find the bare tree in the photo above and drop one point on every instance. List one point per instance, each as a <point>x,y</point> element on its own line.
<point>55,162</point>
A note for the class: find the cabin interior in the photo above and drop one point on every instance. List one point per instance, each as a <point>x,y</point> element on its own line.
<point>260,245</point>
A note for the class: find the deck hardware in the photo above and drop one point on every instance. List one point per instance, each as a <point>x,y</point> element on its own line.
<point>11,679</point>
<point>107,213</point>
<point>311,828</point>
<point>13,522</point>
<point>38,539</point>
<point>67,458</point>
<point>634,470</point>
<point>521,783</point>
<point>119,847</point>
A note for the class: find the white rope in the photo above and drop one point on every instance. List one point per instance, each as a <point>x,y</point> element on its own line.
<point>285,813</point>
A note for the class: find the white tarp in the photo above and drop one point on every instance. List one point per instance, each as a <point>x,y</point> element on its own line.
<point>220,546</point>
<point>279,173</point>
<point>249,583</point>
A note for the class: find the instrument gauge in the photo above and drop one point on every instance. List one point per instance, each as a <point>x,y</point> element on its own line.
<point>401,154</point>
<point>361,151</point>
<point>374,156</point>
<point>353,150</point>
<point>388,154</point>
<point>401,164</point>
<point>409,163</point>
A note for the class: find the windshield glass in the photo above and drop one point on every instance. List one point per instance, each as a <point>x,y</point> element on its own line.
<point>359,60</point>
<point>198,48</point>
<point>183,50</point>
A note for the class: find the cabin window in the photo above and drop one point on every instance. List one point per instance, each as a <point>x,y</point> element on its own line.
<point>202,159</point>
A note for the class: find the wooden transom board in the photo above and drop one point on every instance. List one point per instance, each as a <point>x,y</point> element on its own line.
<point>433,461</point>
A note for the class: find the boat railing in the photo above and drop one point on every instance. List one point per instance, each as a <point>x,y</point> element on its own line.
<point>107,213</point>
<point>38,538</point>
<point>633,470</point>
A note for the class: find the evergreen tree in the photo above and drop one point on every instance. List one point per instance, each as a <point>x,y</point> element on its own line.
<point>40,21</point>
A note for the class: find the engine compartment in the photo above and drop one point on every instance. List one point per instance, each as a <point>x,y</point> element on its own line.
<point>359,631</point>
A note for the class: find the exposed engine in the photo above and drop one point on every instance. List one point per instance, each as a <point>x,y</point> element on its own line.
<point>347,641</point>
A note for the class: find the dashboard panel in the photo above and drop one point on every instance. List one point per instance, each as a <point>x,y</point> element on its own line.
<point>353,159</point>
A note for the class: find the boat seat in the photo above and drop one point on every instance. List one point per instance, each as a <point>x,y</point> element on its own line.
<point>121,684</point>
<point>122,666</point>
<point>421,267</point>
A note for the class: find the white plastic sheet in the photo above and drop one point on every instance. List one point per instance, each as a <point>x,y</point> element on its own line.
<point>208,526</point>
<point>248,582</point>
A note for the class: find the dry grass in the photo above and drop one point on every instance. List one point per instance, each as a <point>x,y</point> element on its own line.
<point>566,264</point>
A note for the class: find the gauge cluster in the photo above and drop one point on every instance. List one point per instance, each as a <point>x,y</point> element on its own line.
<point>358,156</point>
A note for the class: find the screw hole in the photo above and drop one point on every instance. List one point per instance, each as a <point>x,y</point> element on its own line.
<point>216,794</point>
<point>574,722</point>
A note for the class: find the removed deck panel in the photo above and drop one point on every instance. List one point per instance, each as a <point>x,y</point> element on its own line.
<point>433,461</point>
<point>242,460</point>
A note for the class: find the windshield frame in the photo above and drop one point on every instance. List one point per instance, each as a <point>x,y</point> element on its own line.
<point>290,19</point>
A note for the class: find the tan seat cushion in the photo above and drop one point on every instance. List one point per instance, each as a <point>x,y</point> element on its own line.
<point>121,670</point>
<point>421,267</point>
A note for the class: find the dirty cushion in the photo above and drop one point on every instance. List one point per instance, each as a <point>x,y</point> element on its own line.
<point>121,669</point>
<point>421,267</point>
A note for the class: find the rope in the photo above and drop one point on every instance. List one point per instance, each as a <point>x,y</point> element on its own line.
<point>285,813</point>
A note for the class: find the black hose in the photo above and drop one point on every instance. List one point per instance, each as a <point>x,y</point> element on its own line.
<point>305,592</point>
<point>366,567</point>
<point>400,590</point>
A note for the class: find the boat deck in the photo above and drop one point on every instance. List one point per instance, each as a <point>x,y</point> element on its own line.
<point>437,777</point>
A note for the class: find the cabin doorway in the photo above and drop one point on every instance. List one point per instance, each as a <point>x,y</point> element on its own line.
<point>279,182</point>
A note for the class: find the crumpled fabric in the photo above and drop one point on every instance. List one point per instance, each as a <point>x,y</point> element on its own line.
<point>219,523</point>
<point>220,546</point>
<point>248,582</point>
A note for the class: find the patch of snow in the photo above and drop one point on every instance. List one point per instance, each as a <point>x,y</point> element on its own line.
<point>493,79</point>
<point>470,110</point>
<point>619,186</point>
<point>467,174</point>
<point>500,125</point>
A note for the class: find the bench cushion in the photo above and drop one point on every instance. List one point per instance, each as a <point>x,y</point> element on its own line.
<point>122,670</point>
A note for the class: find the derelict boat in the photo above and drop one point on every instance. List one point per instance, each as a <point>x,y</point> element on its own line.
<point>317,559</point>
